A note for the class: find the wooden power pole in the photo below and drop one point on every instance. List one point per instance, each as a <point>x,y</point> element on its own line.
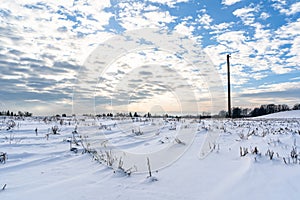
<point>228,86</point>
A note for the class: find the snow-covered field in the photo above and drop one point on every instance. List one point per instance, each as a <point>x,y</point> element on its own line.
<point>287,114</point>
<point>38,167</point>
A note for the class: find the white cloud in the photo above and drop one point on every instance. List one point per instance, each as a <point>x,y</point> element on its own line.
<point>261,32</point>
<point>48,35</point>
<point>246,14</point>
<point>289,30</point>
<point>204,20</point>
<point>215,53</point>
<point>285,8</point>
<point>295,47</point>
<point>264,15</point>
<point>296,78</point>
<point>220,28</point>
<point>45,29</point>
<point>289,35</point>
<point>261,53</point>
<point>279,4</point>
<point>276,87</point>
<point>278,93</point>
<point>235,37</point>
<point>279,69</point>
<point>133,16</point>
<point>230,2</point>
<point>258,76</point>
<point>293,9</point>
<point>169,3</point>
<point>183,29</point>
<point>159,17</point>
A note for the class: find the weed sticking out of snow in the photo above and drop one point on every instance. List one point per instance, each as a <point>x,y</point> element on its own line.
<point>151,179</point>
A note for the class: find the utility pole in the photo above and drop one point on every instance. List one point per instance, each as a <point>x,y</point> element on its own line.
<point>228,86</point>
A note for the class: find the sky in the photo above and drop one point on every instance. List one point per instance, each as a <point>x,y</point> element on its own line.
<point>45,47</point>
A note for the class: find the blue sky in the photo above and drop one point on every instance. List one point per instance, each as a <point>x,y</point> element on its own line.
<point>43,46</point>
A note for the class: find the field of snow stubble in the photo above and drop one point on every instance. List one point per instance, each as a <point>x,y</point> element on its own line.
<point>251,159</point>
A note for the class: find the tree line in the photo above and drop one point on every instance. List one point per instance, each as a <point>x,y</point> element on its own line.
<point>238,112</point>
<point>19,113</point>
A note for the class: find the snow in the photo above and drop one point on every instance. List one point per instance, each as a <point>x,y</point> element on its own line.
<point>281,115</point>
<point>38,168</point>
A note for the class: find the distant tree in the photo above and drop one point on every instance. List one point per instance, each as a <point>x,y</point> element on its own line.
<point>135,114</point>
<point>236,112</point>
<point>20,113</point>
<point>245,112</point>
<point>254,112</point>
<point>284,107</point>
<point>222,113</point>
<point>270,108</point>
<point>64,115</point>
<point>130,114</point>
<point>148,115</point>
<point>296,106</point>
<point>262,110</point>
<point>8,113</point>
<point>11,114</point>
